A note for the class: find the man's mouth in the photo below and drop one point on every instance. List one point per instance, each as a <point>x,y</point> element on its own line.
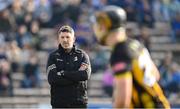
<point>66,43</point>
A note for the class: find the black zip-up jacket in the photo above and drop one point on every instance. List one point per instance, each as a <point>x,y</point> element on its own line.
<point>71,87</point>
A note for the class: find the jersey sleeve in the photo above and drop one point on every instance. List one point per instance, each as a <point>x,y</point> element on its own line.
<point>121,60</point>
<point>121,68</point>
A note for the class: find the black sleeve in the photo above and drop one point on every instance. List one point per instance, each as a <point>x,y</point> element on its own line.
<point>121,59</point>
<point>53,78</point>
<point>80,75</point>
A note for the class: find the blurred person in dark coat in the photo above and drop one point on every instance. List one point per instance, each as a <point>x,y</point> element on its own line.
<point>5,78</point>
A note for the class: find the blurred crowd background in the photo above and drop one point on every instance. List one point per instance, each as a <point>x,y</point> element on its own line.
<point>28,32</point>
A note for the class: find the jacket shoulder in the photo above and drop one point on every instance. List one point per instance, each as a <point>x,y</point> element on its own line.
<point>54,52</point>
<point>79,51</point>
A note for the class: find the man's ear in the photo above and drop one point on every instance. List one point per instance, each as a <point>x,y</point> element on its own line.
<point>102,27</point>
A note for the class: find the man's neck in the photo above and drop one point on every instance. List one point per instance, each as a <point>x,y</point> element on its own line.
<point>68,50</point>
<point>118,37</point>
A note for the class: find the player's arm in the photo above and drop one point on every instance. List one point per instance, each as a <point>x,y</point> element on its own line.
<point>52,73</point>
<point>122,85</point>
<point>122,91</point>
<point>156,71</point>
<point>83,73</point>
<point>150,68</point>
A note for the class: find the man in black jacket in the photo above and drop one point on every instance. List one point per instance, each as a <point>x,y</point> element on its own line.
<point>68,69</point>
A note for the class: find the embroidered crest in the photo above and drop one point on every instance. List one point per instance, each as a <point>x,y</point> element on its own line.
<point>59,60</point>
<point>75,58</point>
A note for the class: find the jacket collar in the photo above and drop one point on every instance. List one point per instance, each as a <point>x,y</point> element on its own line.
<point>62,50</point>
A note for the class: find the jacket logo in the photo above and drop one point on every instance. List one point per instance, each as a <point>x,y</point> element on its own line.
<point>59,60</point>
<point>57,54</point>
<point>75,58</point>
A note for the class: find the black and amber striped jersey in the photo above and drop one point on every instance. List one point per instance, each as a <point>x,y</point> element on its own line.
<point>131,56</point>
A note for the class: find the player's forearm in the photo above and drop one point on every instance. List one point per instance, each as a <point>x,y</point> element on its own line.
<point>121,104</point>
<point>120,101</point>
<point>122,91</point>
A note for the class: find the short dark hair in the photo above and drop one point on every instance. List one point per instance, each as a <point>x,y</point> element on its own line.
<point>66,28</point>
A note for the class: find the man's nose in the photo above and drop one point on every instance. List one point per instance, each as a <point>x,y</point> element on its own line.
<point>65,39</point>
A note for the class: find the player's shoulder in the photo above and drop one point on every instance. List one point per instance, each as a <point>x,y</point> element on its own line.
<point>120,53</point>
<point>127,50</point>
<point>134,43</point>
<point>134,47</point>
<point>129,44</point>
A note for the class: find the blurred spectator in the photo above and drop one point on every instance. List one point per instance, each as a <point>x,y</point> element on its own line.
<point>98,4</point>
<point>99,59</point>
<point>129,32</point>
<point>3,52</point>
<point>5,78</point>
<point>14,56</point>
<point>158,10</point>
<point>174,8</point>
<point>161,10</point>
<point>2,39</point>
<point>73,10</point>
<point>30,6</point>
<point>116,2</point>
<point>130,8</point>
<point>176,28</point>
<point>23,37</point>
<point>17,11</point>
<point>108,81</point>
<point>144,37</point>
<point>176,74</point>
<point>164,69</point>
<point>26,52</point>
<point>144,12</point>
<point>84,34</point>
<point>165,10</point>
<point>7,23</point>
<point>4,4</point>
<point>31,73</point>
<point>36,38</point>
<point>43,12</point>
<point>87,7</point>
<point>173,85</point>
<point>27,20</point>
<point>58,11</point>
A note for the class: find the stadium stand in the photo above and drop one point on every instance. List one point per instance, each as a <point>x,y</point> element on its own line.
<point>12,15</point>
